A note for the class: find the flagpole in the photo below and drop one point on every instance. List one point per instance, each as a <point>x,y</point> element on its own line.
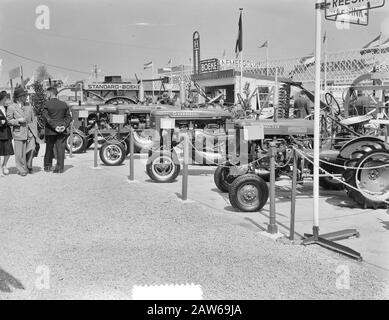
<point>316,143</point>
<point>241,58</point>
<point>152,78</point>
<point>325,62</point>
<point>267,58</point>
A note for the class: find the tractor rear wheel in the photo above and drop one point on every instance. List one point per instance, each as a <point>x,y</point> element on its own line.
<point>371,185</point>
<point>223,178</point>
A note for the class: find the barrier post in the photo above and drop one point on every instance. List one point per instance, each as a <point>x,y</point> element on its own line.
<point>293,197</point>
<point>95,142</point>
<point>131,177</point>
<point>95,139</point>
<point>71,141</point>
<point>184,194</point>
<point>272,227</point>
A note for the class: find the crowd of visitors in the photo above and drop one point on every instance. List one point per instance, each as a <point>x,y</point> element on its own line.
<point>20,135</point>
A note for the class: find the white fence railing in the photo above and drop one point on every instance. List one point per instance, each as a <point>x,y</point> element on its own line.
<point>339,68</point>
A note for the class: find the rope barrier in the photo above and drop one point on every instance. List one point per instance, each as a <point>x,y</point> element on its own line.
<point>113,137</point>
<point>372,195</point>
<point>351,168</point>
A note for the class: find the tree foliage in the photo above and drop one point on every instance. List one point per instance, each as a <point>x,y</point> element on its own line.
<point>38,101</point>
<point>42,74</point>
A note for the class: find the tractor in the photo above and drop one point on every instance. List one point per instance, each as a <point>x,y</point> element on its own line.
<point>360,160</point>
<point>137,117</point>
<point>207,129</point>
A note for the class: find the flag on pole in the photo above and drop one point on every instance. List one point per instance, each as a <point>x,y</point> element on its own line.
<point>239,40</point>
<point>168,64</point>
<point>325,37</point>
<point>224,53</point>
<point>265,45</point>
<point>148,65</point>
<point>372,45</point>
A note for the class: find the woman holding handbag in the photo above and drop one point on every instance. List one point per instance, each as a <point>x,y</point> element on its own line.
<point>6,148</point>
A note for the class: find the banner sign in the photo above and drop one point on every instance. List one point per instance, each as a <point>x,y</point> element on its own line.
<point>236,62</point>
<point>353,16</point>
<point>15,73</point>
<point>336,7</point>
<point>111,86</point>
<point>196,52</point>
<point>209,65</point>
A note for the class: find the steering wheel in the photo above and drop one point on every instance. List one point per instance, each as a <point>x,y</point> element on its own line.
<point>333,103</point>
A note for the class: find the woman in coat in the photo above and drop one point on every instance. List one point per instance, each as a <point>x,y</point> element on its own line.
<point>6,149</point>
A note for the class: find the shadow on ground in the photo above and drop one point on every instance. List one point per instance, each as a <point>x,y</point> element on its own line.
<point>7,282</point>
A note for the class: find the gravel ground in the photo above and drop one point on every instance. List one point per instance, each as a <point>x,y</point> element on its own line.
<point>99,236</point>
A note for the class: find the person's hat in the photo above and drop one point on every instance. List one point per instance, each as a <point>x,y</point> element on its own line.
<point>54,90</point>
<point>20,92</point>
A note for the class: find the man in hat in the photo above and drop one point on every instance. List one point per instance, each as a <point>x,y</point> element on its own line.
<point>58,118</point>
<point>24,129</point>
<point>302,106</point>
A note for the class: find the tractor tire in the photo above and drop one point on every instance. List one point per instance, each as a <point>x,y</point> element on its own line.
<point>248,193</point>
<point>112,153</point>
<point>79,143</point>
<point>222,178</point>
<point>163,166</point>
<point>372,185</point>
<point>329,183</point>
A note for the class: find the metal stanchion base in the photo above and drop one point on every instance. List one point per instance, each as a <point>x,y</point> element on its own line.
<point>186,201</point>
<point>132,181</point>
<point>327,241</point>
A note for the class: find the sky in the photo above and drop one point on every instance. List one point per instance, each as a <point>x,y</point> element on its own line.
<point>121,35</point>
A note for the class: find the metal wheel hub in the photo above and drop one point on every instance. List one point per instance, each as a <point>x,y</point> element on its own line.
<point>248,193</point>
<point>112,152</point>
<point>374,183</point>
<point>163,166</point>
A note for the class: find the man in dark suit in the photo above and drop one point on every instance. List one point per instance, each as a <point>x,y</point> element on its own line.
<point>58,118</point>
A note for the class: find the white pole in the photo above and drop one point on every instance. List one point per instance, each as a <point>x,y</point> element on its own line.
<point>241,58</point>
<point>316,142</point>
<point>325,63</point>
<point>267,58</point>
<point>152,78</point>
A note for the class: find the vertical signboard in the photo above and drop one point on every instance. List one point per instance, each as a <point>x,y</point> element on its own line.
<point>196,52</point>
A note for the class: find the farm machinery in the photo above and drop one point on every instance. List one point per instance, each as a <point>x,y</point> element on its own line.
<point>113,137</point>
<point>207,130</point>
<point>363,163</point>
<point>137,118</point>
<point>351,156</point>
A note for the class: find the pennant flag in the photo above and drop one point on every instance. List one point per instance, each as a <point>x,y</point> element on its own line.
<point>31,81</point>
<point>148,65</point>
<point>372,45</point>
<point>224,53</point>
<point>239,41</point>
<point>168,69</point>
<point>265,45</point>
<point>308,60</point>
